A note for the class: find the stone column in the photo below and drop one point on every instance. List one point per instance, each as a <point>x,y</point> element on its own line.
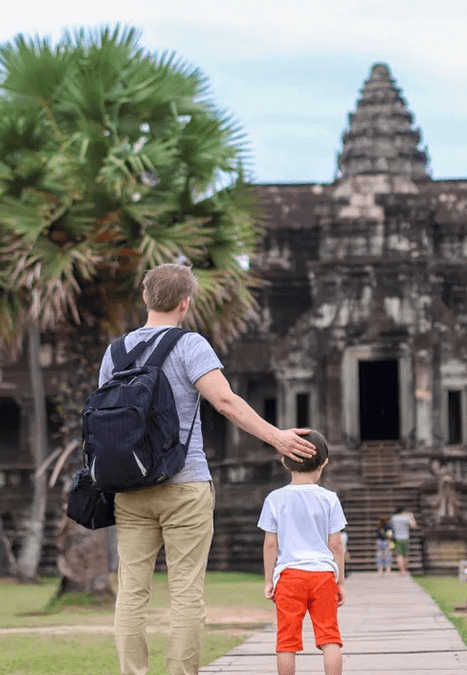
<point>350,394</point>
<point>423,398</point>
<point>334,398</point>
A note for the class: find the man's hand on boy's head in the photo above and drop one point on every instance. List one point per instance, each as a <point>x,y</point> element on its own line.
<point>290,444</point>
<point>269,590</point>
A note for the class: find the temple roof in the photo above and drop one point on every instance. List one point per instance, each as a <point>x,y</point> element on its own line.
<point>381,137</point>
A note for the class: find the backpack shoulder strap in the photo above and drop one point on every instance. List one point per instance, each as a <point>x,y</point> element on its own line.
<point>121,358</point>
<point>165,346</point>
<point>158,357</point>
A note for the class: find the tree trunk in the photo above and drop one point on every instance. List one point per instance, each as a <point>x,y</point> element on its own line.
<point>8,564</point>
<point>83,560</point>
<point>29,557</point>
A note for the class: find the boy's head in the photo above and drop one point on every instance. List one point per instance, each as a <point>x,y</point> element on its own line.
<point>313,463</point>
<point>165,286</point>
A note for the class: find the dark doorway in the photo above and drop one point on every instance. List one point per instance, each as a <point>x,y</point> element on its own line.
<point>379,400</point>
<point>302,408</point>
<point>270,410</point>
<point>455,417</point>
<point>10,421</point>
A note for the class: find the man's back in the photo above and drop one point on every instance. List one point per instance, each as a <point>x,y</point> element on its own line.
<point>191,358</point>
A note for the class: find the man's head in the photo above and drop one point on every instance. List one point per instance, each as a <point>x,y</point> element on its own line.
<point>313,463</point>
<point>167,285</point>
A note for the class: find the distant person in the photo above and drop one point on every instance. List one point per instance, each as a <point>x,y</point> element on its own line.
<point>179,512</point>
<point>384,546</point>
<point>401,522</point>
<point>304,560</point>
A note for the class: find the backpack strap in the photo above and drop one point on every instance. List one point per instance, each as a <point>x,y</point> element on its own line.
<point>122,359</point>
<point>165,346</point>
<point>158,357</point>
<point>187,443</point>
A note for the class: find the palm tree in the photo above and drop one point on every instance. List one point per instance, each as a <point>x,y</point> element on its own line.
<point>113,160</point>
<point>35,280</point>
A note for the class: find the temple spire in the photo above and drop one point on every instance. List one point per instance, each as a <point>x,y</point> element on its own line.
<point>380,137</point>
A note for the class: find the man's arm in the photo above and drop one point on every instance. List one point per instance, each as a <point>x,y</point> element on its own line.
<point>337,549</point>
<point>216,389</point>
<point>270,549</point>
<point>412,521</point>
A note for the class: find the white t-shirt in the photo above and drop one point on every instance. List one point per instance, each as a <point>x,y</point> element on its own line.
<point>191,358</point>
<point>303,516</point>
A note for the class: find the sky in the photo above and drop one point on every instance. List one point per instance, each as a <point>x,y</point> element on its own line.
<point>291,72</point>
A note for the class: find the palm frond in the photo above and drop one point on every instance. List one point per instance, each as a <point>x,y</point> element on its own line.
<point>183,241</point>
<point>224,304</point>
<point>48,276</point>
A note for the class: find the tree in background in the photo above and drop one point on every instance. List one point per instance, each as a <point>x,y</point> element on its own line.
<point>113,160</point>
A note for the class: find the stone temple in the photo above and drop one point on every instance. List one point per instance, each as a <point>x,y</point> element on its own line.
<point>362,335</point>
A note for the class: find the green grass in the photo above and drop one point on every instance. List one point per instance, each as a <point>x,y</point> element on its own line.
<point>89,653</point>
<point>55,650</point>
<point>26,606</point>
<point>229,589</point>
<point>448,593</point>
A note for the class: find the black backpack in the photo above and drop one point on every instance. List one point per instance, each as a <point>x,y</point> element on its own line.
<point>131,425</point>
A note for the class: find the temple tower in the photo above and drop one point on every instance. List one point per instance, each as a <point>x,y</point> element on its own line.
<point>381,138</point>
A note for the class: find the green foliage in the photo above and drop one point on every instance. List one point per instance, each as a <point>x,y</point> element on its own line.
<point>113,160</point>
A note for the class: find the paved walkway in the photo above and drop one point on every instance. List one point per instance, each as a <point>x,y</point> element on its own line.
<point>389,625</point>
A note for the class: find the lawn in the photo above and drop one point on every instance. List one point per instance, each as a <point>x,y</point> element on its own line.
<point>449,593</point>
<point>79,639</point>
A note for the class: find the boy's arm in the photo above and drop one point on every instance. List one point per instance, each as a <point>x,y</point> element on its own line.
<point>337,549</point>
<point>270,549</point>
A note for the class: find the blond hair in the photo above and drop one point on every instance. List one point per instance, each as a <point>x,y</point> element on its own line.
<point>166,285</point>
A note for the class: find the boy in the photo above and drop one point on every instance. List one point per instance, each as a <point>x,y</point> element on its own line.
<point>304,560</point>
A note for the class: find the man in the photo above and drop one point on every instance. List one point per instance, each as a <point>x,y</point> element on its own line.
<point>179,513</point>
<point>401,522</point>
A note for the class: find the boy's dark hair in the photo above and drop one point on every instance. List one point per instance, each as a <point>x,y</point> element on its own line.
<point>310,463</point>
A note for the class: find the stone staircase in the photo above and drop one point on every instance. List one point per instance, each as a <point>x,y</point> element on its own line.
<point>380,462</point>
<point>380,495</point>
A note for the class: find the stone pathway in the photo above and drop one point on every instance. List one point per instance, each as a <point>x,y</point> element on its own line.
<point>389,625</point>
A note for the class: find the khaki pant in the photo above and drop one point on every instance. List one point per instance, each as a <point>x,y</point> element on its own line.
<point>180,517</point>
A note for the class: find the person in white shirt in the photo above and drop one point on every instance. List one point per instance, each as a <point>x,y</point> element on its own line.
<point>304,560</point>
<point>401,522</point>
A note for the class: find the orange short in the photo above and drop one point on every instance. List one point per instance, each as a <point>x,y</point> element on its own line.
<point>298,591</point>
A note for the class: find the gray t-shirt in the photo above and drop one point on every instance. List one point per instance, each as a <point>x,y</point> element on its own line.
<point>191,358</point>
<point>400,526</point>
